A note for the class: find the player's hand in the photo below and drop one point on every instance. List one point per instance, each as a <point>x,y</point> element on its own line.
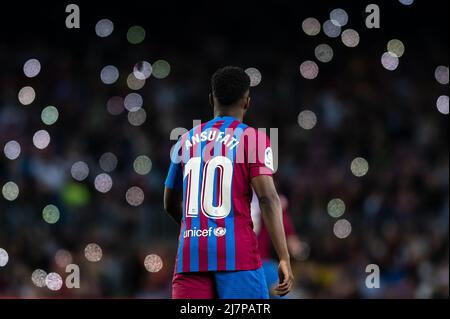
<point>286,278</point>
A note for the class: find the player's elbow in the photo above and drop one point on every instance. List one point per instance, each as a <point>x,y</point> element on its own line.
<point>173,210</point>
<point>270,201</point>
<point>166,206</point>
<point>170,201</point>
<point>169,207</point>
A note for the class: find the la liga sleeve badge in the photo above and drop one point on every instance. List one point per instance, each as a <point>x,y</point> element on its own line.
<point>268,158</point>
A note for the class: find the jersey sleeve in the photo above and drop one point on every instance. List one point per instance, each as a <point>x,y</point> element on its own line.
<point>260,155</point>
<point>174,178</point>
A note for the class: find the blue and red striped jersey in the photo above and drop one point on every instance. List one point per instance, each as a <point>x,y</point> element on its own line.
<point>214,163</point>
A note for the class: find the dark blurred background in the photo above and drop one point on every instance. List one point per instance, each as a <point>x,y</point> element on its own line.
<point>398,211</point>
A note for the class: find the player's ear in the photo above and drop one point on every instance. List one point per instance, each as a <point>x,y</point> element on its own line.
<point>211,100</point>
<point>247,103</point>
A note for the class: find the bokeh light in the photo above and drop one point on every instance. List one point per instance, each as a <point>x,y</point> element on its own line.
<point>79,171</point>
<point>38,278</point>
<point>63,258</point>
<point>134,83</point>
<point>309,70</point>
<point>331,30</point>
<point>135,196</point>
<point>396,48</point>
<point>350,38</point>
<point>311,26</point>
<point>442,104</point>
<point>12,150</point>
<point>255,76</point>
<point>336,207</point>
<point>108,162</point>
<point>4,257</point>
<point>304,251</point>
<point>342,228</point>
<point>49,115</point>
<point>103,183</point>
<point>133,102</point>
<point>161,69</point>
<point>93,252</point>
<point>441,74</point>
<point>26,95</point>
<point>142,70</point>
<point>323,53</point>
<point>109,74</point>
<point>104,28</point>
<point>10,191</point>
<point>41,139</point>
<point>137,118</point>
<point>153,263</point>
<point>115,105</point>
<point>50,214</point>
<point>406,2</point>
<point>136,34</point>
<point>142,165</point>
<point>339,17</point>
<point>359,167</point>
<point>307,119</point>
<point>31,68</point>
<point>75,195</point>
<point>53,281</point>
<point>389,61</point>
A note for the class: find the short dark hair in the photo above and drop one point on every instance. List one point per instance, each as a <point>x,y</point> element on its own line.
<point>229,84</point>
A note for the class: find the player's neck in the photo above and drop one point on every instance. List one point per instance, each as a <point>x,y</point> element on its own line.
<point>232,113</point>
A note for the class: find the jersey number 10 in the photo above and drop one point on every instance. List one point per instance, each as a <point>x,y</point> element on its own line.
<point>224,168</point>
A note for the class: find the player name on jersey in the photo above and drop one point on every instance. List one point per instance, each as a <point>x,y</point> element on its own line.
<point>212,166</point>
<point>212,135</point>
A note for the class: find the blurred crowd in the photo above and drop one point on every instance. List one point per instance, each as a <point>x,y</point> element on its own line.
<point>398,211</point>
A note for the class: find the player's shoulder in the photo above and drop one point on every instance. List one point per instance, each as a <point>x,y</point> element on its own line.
<point>193,130</point>
<point>257,133</point>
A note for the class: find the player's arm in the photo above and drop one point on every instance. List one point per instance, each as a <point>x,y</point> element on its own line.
<point>271,212</point>
<point>173,186</point>
<point>172,203</point>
